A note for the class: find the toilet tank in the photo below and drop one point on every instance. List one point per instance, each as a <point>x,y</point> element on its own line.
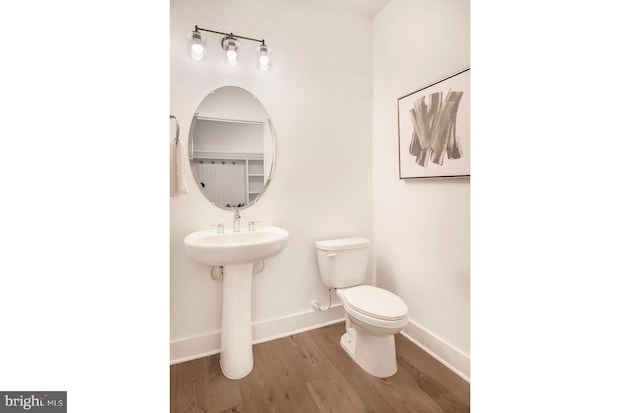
<point>343,262</point>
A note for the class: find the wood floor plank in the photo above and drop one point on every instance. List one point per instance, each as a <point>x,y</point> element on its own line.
<point>190,394</point>
<point>288,373</point>
<point>334,395</point>
<point>328,340</point>
<point>310,372</point>
<point>416,380</point>
<point>222,394</point>
<point>258,391</point>
<point>412,355</point>
<point>236,409</point>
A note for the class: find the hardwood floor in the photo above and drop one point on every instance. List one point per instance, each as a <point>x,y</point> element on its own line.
<point>310,372</point>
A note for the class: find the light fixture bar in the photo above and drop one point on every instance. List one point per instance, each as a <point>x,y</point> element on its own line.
<point>229,34</point>
<point>230,44</point>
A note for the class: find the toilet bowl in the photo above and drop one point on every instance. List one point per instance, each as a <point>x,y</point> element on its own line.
<point>372,315</point>
<point>371,325</point>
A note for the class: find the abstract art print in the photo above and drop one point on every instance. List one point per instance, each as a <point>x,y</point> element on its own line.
<point>433,129</point>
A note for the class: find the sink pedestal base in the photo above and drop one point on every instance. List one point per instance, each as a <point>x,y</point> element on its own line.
<point>236,355</point>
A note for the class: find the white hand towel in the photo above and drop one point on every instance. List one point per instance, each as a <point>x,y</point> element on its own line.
<point>179,168</point>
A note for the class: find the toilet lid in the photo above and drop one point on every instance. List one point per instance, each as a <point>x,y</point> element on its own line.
<point>342,244</point>
<point>375,302</point>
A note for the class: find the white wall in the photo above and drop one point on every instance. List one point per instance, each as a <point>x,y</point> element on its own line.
<point>228,137</point>
<point>421,227</point>
<point>318,94</point>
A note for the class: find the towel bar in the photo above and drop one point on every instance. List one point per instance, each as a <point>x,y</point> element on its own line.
<point>177,127</point>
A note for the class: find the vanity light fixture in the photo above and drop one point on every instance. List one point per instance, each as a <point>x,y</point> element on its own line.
<point>230,44</point>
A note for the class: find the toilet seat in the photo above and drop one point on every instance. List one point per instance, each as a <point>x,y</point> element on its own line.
<point>375,302</point>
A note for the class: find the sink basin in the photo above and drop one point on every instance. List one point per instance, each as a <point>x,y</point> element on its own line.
<point>232,248</point>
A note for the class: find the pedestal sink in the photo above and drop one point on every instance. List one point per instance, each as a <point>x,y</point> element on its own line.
<point>236,252</point>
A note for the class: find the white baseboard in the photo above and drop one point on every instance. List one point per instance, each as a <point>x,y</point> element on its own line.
<point>445,353</point>
<point>191,348</point>
<point>194,347</point>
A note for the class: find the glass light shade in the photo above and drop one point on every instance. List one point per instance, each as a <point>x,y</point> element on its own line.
<point>230,46</point>
<point>197,45</point>
<point>264,60</point>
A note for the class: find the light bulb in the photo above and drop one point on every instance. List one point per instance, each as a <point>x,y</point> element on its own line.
<point>231,52</point>
<point>197,48</point>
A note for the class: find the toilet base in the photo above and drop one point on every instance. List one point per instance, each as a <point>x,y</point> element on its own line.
<point>374,354</point>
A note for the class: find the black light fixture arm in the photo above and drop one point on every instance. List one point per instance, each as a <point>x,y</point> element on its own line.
<point>229,34</point>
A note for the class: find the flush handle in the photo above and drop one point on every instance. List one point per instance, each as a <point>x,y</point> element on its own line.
<point>331,254</point>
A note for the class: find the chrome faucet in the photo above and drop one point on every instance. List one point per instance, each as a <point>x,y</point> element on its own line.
<point>236,220</point>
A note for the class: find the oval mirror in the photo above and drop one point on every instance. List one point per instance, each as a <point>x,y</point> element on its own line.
<point>232,147</point>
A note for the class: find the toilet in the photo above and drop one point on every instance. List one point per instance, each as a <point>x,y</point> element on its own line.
<point>372,315</point>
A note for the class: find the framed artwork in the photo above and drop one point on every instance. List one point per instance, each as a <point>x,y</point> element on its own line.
<point>433,129</point>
